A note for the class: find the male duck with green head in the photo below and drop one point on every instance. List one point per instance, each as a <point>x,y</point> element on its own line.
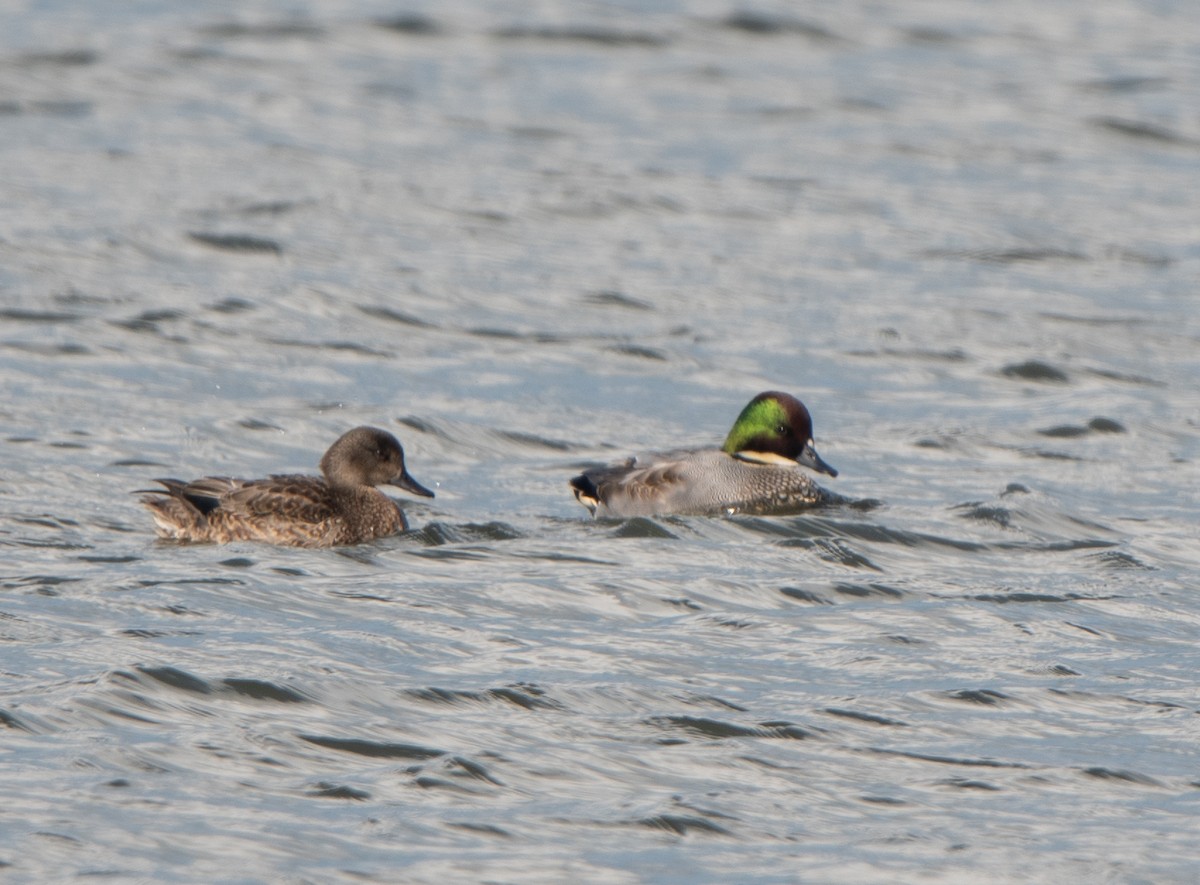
<point>756,471</point>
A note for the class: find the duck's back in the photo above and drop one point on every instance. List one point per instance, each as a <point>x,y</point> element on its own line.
<point>699,481</point>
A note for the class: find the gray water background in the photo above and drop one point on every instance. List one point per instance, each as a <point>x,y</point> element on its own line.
<point>532,237</point>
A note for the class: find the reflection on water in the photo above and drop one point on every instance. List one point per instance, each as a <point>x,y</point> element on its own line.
<point>535,240</point>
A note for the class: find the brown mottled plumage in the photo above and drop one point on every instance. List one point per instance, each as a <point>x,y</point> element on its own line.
<point>295,510</point>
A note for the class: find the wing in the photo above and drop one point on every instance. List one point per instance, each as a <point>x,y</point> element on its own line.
<point>205,493</point>
<point>630,489</point>
<point>282,498</point>
<point>642,484</point>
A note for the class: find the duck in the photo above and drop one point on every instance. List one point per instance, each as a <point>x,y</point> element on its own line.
<point>756,471</point>
<point>341,507</point>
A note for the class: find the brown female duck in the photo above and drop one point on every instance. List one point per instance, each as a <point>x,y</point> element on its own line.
<point>296,510</point>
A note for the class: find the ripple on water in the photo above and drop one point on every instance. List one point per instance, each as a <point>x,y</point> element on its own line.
<point>524,696</point>
<point>1131,777</point>
<point>410,24</point>
<point>264,31</point>
<point>261,690</point>
<point>395,316</point>
<point>870,718</point>
<point>11,720</point>
<point>719,729</point>
<point>585,34</point>
<point>763,24</point>
<point>238,243</point>
<point>682,825</point>
<point>1071,431</point>
<point>863,591</point>
<point>327,790</point>
<point>1142,130</point>
<point>1035,370</point>
<point>1028,597</point>
<point>439,534</point>
<point>374,749</point>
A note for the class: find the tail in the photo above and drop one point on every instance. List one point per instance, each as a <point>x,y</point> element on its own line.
<point>586,492</point>
<point>176,515</point>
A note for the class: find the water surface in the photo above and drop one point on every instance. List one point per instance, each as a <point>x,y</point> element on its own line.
<point>529,240</point>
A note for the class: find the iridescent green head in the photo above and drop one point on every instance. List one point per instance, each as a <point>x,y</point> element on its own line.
<point>775,426</point>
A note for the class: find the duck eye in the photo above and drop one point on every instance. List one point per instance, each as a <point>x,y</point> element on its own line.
<point>781,430</point>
